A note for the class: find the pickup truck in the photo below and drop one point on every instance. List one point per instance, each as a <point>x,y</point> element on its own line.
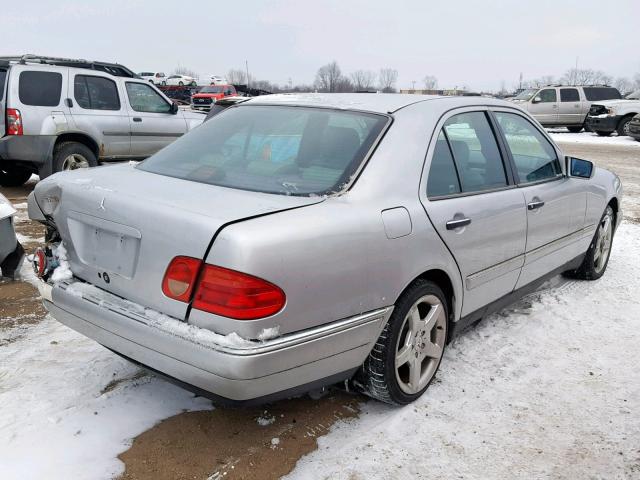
<point>614,115</point>
<point>209,95</point>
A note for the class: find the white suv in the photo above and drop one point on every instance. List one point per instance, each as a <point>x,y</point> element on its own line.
<point>157,78</point>
<point>62,114</point>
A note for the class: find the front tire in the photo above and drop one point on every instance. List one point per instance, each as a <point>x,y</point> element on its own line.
<point>597,257</point>
<point>603,134</point>
<point>623,126</point>
<point>575,129</point>
<point>181,83</point>
<point>13,176</point>
<point>407,354</point>
<point>73,156</point>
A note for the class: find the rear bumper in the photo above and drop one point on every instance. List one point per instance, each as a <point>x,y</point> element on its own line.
<point>237,373</point>
<point>603,123</point>
<point>36,149</point>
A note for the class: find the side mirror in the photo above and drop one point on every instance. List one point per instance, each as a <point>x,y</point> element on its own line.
<point>173,109</point>
<point>576,167</point>
<point>536,99</point>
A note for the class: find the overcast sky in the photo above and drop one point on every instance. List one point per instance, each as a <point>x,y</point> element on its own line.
<point>462,42</point>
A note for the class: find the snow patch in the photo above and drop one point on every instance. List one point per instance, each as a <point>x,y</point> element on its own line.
<point>269,333</point>
<point>265,419</point>
<point>63,271</point>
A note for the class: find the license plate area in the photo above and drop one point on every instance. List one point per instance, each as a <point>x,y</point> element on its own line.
<point>103,244</point>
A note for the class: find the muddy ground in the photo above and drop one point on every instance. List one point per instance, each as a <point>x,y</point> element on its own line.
<point>262,443</point>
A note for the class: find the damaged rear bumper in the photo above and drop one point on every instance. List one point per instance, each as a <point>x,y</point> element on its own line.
<point>243,373</point>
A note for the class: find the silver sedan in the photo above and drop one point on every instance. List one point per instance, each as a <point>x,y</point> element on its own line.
<point>296,241</point>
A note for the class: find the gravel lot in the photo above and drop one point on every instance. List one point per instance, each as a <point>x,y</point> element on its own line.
<point>548,388</point>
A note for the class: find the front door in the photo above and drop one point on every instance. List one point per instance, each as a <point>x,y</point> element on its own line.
<point>151,121</point>
<point>475,208</point>
<point>544,106</point>
<point>555,203</point>
<point>570,110</point>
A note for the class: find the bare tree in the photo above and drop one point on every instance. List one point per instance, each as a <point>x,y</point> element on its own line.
<point>328,76</point>
<point>623,84</point>
<point>585,76</point>
<point>237,76</point>
<point>185,71</point>
<point>363,80</point>
<point>387,79</point>
<point>430,82</point>
<point>636,81</point>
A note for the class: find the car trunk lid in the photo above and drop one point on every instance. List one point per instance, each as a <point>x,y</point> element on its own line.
<point>122,226</point>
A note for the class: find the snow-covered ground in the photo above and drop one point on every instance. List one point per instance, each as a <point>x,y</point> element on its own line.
<point>549,389</point>
<point>563,135</point>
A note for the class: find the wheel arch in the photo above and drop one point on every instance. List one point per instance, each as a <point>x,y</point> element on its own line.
<point>615,205</point>
<point>82,138</point>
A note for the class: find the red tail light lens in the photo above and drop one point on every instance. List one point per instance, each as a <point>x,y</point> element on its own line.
<point>237,295</point>
<point>14,122</point>
<point>180,278</point>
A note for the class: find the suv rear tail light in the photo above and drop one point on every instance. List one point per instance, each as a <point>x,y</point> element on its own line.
<point>180,278</point>
<point>237,295</point>
<point>14,122</point>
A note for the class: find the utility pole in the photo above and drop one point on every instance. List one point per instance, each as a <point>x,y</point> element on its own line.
<point>246,64</point>
<point>413,85</point>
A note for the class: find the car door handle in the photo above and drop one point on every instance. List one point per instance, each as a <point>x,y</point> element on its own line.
<point>457,223</point>
<point>535,205</point>
<point>137,119</point>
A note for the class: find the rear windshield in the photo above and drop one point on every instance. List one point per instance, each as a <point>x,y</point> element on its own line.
<point>3,78</point>
<point>595,94</point>
<point>272,149</point>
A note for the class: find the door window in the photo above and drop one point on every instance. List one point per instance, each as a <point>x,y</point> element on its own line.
<point>534,157</point>
<point>569,95</point>
<point>40,89</point>
<point>143,98</point>
<point>96,93</point>
<point>475,151</point>
<point>443,178</point>
<point>548,95</point>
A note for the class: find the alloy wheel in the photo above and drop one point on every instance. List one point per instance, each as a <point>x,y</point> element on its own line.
<point>420,344</point>
<point>74,162</point>
<point>603,243</point>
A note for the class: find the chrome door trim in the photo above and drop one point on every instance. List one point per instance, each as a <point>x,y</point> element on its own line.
<point>493,272</point>
<point>550,247</point>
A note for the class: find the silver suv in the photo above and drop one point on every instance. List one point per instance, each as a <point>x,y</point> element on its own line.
<point>563,105</point>
<point>62,114</point>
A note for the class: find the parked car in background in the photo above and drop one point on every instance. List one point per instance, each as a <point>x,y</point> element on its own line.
<point>634,127</point>
<point>157,78</point>
<point>207,96</point>
<point>63,114</point>
<point>181,80</point>
<point>11,252</point>
<point>614,115</point>
<point>296,241</point>
<point>217,80</point>
<point>223,104</point>
<point>563,105</point>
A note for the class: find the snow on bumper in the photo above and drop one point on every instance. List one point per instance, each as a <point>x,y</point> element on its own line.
<point>229,367</point>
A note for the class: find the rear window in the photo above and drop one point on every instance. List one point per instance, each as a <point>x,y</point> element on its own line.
<point>3,78</point>
<point>595,94</point>
<point>41,89</point>
<point>272,149</point>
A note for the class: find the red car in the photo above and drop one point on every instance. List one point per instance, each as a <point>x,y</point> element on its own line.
<point>211,94</point>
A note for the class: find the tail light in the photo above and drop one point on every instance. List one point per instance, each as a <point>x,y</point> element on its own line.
<point>237,295</point>
<point>220,290</point>
<point>180,278</point>
<point>14,122</point>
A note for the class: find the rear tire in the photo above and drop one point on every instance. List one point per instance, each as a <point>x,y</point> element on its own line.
<point>575,129</point>
<point>603,134</point>
<point>13,176</point>
<point>73,156</point>
<point>597,257</point>
<point>407,354</point>
<point>181,83</point>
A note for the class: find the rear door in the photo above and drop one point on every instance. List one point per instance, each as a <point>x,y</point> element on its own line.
<point>570,110</point>
<point>544,106</point>
<point>555,203</point>
<point>475,208</point>
<point>151,122</point>
<point>98,108</point>
<point>4,73</point>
